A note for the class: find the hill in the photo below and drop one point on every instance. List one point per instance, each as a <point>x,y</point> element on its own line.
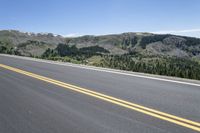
<point>144,43</point>
<point>142,52</point>
<point>29,43</point>
<point>117,44</point>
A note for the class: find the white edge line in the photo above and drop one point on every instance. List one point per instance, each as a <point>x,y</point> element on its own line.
<point>100,69</point>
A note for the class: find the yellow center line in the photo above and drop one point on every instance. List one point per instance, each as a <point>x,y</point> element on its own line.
<point>136,107</point>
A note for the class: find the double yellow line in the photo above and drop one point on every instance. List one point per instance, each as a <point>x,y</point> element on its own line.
<point>136,107</point>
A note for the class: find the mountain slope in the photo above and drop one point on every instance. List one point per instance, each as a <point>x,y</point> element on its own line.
<point>29,43</point>
<point>117,44</point>
<point>140,52</point>
<point>143,43</point>
<point>17,37</point>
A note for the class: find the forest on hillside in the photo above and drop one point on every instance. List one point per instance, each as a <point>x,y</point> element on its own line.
<point>170,66</point>
<point>132,61</point>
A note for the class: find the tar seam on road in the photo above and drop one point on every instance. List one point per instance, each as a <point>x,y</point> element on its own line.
<point>136,107</point>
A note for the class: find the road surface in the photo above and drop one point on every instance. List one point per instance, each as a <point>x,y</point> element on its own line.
<point>45,97</point>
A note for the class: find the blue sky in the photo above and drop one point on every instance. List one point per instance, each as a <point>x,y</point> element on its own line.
<point>80,17</point>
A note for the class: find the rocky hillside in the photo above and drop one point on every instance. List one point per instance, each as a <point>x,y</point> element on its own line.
<point>143,43</point>
<point>29,43</point>
<point>146,44</point>
<point>169,55</point>
<point>17,37</point>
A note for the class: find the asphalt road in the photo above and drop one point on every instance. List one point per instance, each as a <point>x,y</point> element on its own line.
<point>29,105</point>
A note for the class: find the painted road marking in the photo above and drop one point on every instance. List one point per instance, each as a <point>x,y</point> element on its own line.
<point>136,107</point>
<point>107,70</point>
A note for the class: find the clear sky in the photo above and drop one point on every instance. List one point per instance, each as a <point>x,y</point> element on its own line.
<point>80,17</point>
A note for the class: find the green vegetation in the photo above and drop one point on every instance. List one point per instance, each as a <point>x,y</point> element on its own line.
<point>63,50</point>
<point>192,41</point>
<point>31,42</point>
<point>170,66</point>
<point>68,53</point>
<point>168,55</point>
<point>129,42</point>
<point>34,48</point>
<point>151,39</point>
<point>7,48</point>
<point>133,61</point>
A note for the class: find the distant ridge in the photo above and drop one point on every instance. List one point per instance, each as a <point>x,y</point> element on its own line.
<point>142,42</point>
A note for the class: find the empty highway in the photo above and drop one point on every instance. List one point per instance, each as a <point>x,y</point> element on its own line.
<point>49,97</point>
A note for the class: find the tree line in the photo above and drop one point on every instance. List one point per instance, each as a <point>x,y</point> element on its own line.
<point>133,61</point>
<point>169,66</point>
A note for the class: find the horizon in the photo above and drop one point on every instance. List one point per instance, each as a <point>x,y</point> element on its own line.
<point>76,36</point>
<point>101,17</point>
